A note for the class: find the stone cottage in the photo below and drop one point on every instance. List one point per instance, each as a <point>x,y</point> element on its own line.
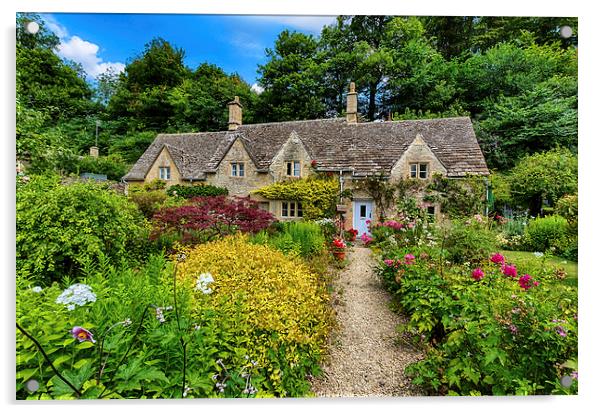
<point>248,157</point>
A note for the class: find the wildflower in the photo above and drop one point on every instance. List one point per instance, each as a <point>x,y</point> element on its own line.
<point>478,218</point>
<point>181,257</point>
<point>214,377</point>
<point>367,239</point>
<point>478,274</point>
<point>509,270</point>
<point>159,313</point>
<point>498,258</point>
<point>538,254</point>
<point>561,332</point>
<point>127,322</point>
<point>37,289</point>
<point>221,386</point>
<point>202,283</point>
<point>186,390</point>
<point>389,263</point>
<point>575,375</point>
<point>82,334</point>
<point>513,329</point>
<point>76,295</point>
<point>409,259</point>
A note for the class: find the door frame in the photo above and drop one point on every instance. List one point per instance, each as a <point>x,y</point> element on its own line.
<point>356,202</point>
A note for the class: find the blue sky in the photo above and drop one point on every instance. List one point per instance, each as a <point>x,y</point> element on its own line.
<point>235,43</point>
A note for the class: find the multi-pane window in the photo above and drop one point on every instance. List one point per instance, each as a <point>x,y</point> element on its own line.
<point>164,173</point>
<point>291,209</point>
<point>419,170</point>
<point>237,168</point>
<point>293,168</point>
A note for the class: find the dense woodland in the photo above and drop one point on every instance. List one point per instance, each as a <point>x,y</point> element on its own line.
<point>515,77</point>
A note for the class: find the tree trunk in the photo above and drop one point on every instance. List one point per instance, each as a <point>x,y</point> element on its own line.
<point>372,104</point>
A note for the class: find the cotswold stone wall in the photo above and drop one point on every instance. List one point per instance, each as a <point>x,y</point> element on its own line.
<point>240,186</point>
<point>292,150</point>
<point>164,159</point>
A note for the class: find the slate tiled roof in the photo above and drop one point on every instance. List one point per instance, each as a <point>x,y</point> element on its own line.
<point>364,148</point>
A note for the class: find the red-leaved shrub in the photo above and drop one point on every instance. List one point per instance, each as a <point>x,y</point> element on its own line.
<point>204,218</point>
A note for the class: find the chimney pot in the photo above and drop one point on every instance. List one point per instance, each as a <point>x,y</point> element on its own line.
<point>235,114</point>
<point>94,151</point>
<point>352,104</point>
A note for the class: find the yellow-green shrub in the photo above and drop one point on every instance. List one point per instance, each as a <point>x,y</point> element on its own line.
<point>318,196</point>
<point>284,305</point>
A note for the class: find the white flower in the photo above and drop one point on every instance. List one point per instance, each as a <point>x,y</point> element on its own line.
<point>37,289</point>
<point>126,322</point>
<point>538,254</point>
<point>203,281</point>
<point>76,295</point>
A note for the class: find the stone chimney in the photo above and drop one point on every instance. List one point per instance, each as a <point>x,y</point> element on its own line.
<point>352,104</point>
<point>235,111</point>
<point>94,151</point>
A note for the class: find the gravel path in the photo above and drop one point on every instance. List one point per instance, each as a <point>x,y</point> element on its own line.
<point>367,357</point>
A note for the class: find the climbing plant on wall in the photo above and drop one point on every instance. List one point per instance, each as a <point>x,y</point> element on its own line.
<point>317,195</point>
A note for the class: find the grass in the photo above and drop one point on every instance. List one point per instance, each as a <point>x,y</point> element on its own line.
<point>524,258</point>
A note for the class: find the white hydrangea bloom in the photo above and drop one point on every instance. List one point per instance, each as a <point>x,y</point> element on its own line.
<point>203,281</point>
<point>76,295</point>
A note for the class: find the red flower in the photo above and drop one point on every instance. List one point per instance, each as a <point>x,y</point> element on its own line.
<point>314,163</point>
<point>498,258</point>
<point>478,274</point>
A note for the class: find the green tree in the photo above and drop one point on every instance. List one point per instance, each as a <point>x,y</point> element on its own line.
<point>545,176</point>
<point>292,79</point>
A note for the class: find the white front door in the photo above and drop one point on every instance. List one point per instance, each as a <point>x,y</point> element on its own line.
<point>362,212</point>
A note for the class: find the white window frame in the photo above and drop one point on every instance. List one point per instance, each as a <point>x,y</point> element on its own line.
<point>237,169</point>
<point>291,209</point>
<point>165,173</point>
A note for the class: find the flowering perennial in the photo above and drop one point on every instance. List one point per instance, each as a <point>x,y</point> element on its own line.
<point>76,295</point>
<point>497,258</point>
<point>409,259</point>
<point>366,239</point>
<point>338,244</point>
<point>82,334</point>
<point>526,282</point>
<point>159,313</point>
<point>202,283</point>
<point>478,274</point>
<point>509,270</point>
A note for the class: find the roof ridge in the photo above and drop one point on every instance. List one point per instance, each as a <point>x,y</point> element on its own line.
<point>292,121</point>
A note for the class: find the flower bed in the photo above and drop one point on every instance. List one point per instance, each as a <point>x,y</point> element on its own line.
<point>486,329</point>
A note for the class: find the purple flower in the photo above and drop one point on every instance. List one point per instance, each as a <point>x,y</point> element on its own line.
<point>82,334</point>
<point>561,332</point>
<point>575,375</point>
<point>513,329</point>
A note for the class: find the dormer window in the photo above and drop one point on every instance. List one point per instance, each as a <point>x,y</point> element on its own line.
<point>419,170</point>
<point>293,168</point>
<point>164,173</point>
<point>238,169</point>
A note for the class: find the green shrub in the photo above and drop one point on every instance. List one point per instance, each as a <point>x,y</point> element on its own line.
<point>148,202</point>
<point>60,227</point>
<point>469,241</point>
<point>191,191</point>
<point>303,238</point>
<point>541,234</point>
<point>113,166</point>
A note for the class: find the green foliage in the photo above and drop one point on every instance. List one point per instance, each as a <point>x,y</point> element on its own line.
<point>381,191</point>
<point>469,240</point>
<point>112,166</point>
<point>132,146</point>
<point>548,175</point>
<point>191,191</point>
<point>148,202</point>
<point>61,227</point>
<point>458,197</point>
<point>568,207</point>
<point>318,196</point>
<point>297,237</point>
<point>548,232</point>
<point>488,337</point>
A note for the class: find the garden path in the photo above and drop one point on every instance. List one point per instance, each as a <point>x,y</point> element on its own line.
<point>367,357</point>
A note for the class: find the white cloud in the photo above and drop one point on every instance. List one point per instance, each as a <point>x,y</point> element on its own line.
<point>86,53</point>
<point>257,89</point>
<point>79,50</point>
<point>247,45</point>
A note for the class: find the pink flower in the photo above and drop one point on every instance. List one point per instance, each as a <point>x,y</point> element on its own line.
<point>82,334</point>
<point>389,263</point>
<point>513,329</point>
<point>509,270</point>
<point>367,239</point>
<point>561,332</point>
<point>575,375</point>
<point>526,282</point>
<point>478,274</point>
<point>498,258</point>
<point>409,259</point>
